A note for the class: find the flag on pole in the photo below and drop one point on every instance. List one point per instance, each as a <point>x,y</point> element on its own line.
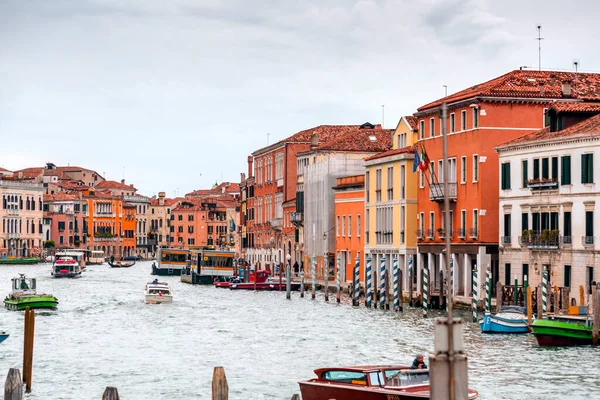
<point>424,160</point>
<point>417,162</point>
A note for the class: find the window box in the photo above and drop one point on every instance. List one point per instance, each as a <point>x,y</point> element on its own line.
<point>542,183</point>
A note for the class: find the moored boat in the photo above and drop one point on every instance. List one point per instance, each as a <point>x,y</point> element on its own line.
<point>65,267</point>
<point>206,265</point>
<point>24,295</point>
<point>158,292</point>
<point>510,319</point>
<point>225,282</point>
<point>264,282</point>
<point>96,257</point>
<point>3,336</point>
<point>9,260</point>
<point>397,382</point>
<point>563,330</point>
<point>170,262</point>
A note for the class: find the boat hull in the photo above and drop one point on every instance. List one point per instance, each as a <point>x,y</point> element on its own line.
<point>154,299</point>
<point>294,286</point>
<point>557,333</point>
<point>31,302</point>
<point>328,391</point>
<point>19,260</point>
<point>493,324</point>
<point>66,275</point>
<point>3,336</point>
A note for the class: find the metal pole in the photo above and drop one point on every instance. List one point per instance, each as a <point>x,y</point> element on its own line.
<point>288,280</point>
<point>475,287</point>
<point>337,280</point>
<point>544,292</point>
<point>382,296</point>
<point>395,283</point>
<point>488,290</point>
<point>356,282</point>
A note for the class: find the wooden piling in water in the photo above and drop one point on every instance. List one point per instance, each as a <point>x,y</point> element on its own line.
<point>581,295</point>
<point>110,393</point>
<point>13,385</point>
<point>499,288</point>
<point>295,397</point>
<point>596,322</point>
<point>28,335</point>
<point>529,308</point>
<point>556,302</point>
<point>220,390</point>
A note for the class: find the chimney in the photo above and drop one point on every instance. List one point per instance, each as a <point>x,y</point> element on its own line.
<point>123,181</point>
<point>242,177</point>
<point>314,140</point>
<point>566,89</point>
<point>250,160</point>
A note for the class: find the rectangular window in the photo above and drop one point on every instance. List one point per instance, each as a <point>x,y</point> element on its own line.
<point>524,173</point>
<point>367,226</point>
<point>367,187</point>
<point>536,168</point>
<point>567,225</point>
<point>590,278</point>
<point>587,168</point>
<point>546,118</point>
<point>475,117</point>
<point>507,230</point>
<point>589,225</point>
<point>431,127</point>
<point>507,274</point>
<point>337,226</point>
<point>402,223</point>
<point>463,120</point>
<point>555,168</point>
<point>349,225</point>
<point>378,184</point>
<point>358,225</point>
<point>390,183</point>
<point>505,176</point>
<point>343,225</point>
<point>463,222</point>
<point>524,222</point>
<point>441,171</point>
<point>431,223</point>
<point>545,168</point>
<point>475,168</point>
<point>422,224</point>
<point>565,172</point>
<point>463,169</point>
<point>422,129</point>
<point>402,182</point>
<point>421,179</point>
<point>567,278</point>
<point>452,123</point>
<point>475,228</point>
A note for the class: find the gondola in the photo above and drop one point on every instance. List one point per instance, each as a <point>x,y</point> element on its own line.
<point>119,264</point>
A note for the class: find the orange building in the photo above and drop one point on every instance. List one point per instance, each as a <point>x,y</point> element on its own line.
<point>349,195</point>
<point>478,119</point>
<point>127,230</point>
<point>201,222</point>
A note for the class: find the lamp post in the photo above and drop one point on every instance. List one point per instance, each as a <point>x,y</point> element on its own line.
<point>288,284</point>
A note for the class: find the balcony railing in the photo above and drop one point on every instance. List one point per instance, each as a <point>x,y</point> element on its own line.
<point>460,232</point>
<point>436,192</point>
<point>429,233</point>
<point>587,240</point>
<point>473,233</point>
<point>566,240</point>
<point>542,184</point>
<point>104,214</point>
<point>419,233</point>
<point>297,217</point>
<point>276,223</point>
<point>506,239</point>
<point>541,241</point>
<point>14,235</point>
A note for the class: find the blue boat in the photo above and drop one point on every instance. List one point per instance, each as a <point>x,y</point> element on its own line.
<point>510,319</point>
<point>3,336</point>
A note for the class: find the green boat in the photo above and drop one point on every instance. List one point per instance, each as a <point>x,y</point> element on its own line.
<point>563,330</point>
<point>23,295</point>
<point>19,260</point>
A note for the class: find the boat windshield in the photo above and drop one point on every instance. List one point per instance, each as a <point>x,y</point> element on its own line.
<point>356,378</point>
<point>406,377</point>
<point>173,257</point>
<point>159,291</point>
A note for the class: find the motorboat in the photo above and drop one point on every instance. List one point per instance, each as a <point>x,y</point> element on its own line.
<point>3,336</point>
<point>158,292</point>
<point>563,330</point>
<point>397,382</point>
<point>225,281</point>
<point>96,257</point>
<point>65,266</point>
<point>265,282</point>
<point>24,295</point>
<point>510,319</point>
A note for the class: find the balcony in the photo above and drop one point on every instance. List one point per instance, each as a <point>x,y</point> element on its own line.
<point>429,234</point>
<point>542,184</point>
<point>419,233</point>
<point>505,240</point>
<point>13,211</point>
<point>460,232</point>
<point>436,192</point>
<point>587,240</point>
<point>279,182</point>
<point>297,218</point>
<point>276,223</point>
<point>104,214</point>
<point>547,240</point>
<point>566,240</point>
<point>14,235</point>
<point>473,233</point>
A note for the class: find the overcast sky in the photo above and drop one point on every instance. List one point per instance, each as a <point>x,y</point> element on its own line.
<point>178,93</point>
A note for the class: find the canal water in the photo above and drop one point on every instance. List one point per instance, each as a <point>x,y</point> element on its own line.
<point>103,334</point>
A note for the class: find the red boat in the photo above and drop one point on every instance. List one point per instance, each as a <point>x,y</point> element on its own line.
<point>226,281</point>
<point>392,382</point>
<point>264,282</point>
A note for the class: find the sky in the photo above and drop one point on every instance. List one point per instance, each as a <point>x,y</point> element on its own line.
<point>174,95</point>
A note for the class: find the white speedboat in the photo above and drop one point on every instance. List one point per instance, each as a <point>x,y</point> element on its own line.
<point>158,292</point>
<point>65,266</point>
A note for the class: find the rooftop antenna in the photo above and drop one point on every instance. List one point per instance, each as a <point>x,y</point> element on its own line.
<point>576,64</point>
<point>522,66</point>
<point>539,39</point>
<point>268,134</point>
<point>445,90</point>
<point>382,116</point>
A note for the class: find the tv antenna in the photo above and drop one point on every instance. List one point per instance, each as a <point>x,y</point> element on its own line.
<point>576,65</point>
<point>539,39</point>
<point>268,134</point>
<point>382,115</point>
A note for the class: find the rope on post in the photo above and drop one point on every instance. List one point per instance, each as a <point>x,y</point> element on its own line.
<point>356,282</point>
<point>544,292</point>
<point>338,280</point>
<point>396,299</point>
<point>313,272</point>
<point>369,299</point>
<point>425,290</point>
<point>488,290</point>
<point>475,284</point>
<point>382,296</point>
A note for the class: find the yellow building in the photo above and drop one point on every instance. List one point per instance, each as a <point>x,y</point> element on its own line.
<point>391,205</point>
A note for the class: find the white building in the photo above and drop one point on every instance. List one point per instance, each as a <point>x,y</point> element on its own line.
<point>550,201</point>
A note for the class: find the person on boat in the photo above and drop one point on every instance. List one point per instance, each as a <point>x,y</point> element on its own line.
<point>155,282</point>
<point>418,363</point>
<point>24,284</point>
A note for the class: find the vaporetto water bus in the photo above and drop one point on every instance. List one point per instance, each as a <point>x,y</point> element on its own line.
<point>170,261</point>
<point>208,265</point>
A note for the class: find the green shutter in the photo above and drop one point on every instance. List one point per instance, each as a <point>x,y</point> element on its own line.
<point>590,158</point>
<point>583,168</point>
<point>555,168</point>
<point>567,223</point>
<point>536,168</point>
<point>524,172</point>
<point>589,223</point>
<point>524,222</point>
<point>508,176</point>
<point>545,168</point>
<point>565,172</point>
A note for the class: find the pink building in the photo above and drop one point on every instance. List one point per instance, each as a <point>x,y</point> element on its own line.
<point>65,215</point>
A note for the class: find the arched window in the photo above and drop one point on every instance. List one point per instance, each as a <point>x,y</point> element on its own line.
<point>4,202</point>
<point>27,204</point>
<point>20,202</point>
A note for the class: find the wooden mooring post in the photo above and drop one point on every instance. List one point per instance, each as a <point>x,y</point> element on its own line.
<point>13,386</point>
<point>110,393</point>
<point>596,309</point>
<point>220,389</point>
<point>499,288</point>
<point>29,332</point>
<point>529,308</point>
<point>540,314</point>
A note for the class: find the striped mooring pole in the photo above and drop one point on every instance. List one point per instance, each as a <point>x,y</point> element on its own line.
<point>488,290</point>
<point>338,295</point>
<point>410,281</point>
<point>475,284</point>
<point>326,276</point>
<point>302,282</point>
<point>425,290</point>
<point>369,298</point>
<point>356,282</point>
<point>396,297</point>
<point>452,276</point>
<point>382,296</point>
<point>544,291</point>
<point>313,273</point>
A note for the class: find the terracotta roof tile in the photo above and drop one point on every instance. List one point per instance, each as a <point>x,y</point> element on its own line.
<point>413,122</point>
<point>530,84</point>
<point>362,140</point>
<point>60,196</point>
<point>28,173</point>
<point>587,127</point>
<point>576,107</point>
<point>393,152</point>
<point>114,185</point>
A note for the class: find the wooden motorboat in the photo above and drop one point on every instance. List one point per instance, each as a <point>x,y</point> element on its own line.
<point>393,382</point>
<point>510,319</point>
<point>264,282</point>
<point>158,292</point>
<point>226,281</point>
<point>65,266</point>
<point>563,330</point>
<point>120,264</point>
<point>24,295</point>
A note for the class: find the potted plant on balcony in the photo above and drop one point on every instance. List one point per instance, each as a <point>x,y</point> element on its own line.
<point>525,236</point>
<point>441,232</point>
<point>553,237</point>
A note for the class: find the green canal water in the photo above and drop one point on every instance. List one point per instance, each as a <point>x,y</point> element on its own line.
<point>103,334</point>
